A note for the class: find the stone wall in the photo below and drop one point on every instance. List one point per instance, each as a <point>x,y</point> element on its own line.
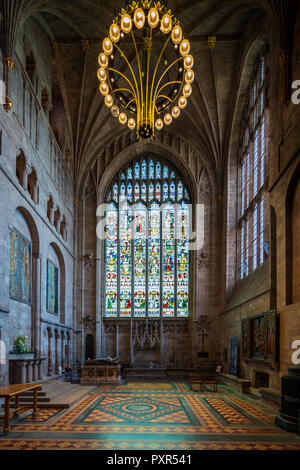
<point>266,288</point>
<point>25,131</point>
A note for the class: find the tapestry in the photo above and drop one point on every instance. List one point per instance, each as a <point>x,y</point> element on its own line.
<point>20,267</point>
<point>52,288</point>
<point>259,335</point>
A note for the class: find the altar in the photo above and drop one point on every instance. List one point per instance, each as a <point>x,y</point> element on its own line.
<point>96,372</point>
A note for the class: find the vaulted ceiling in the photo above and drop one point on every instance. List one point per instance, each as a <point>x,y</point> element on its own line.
<point>206,122</point>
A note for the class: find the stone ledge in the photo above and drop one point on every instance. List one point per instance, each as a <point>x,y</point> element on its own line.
<point>240,384</point>
<point>271,396</point>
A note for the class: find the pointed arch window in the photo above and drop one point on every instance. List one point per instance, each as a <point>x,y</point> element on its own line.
<point>147,257</point>
<point>252,171</point>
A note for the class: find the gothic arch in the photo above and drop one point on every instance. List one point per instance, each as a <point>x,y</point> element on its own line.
<point>62,281</point>
<point>246,66</point>
<point>138,149</point>
<point>181,152</point>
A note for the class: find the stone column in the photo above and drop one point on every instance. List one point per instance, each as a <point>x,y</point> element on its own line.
<point>36,323</point>
<point>35,370</point>
<point>22,371</point>
<point>40,369</point>
<point>29,371</point>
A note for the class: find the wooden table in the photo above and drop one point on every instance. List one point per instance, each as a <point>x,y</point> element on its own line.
<point>14,391</point>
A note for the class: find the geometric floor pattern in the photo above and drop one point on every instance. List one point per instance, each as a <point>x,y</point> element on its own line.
<point>166,416</point>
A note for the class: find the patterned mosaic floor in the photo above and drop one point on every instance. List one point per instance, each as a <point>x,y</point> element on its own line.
<point>166,416</point>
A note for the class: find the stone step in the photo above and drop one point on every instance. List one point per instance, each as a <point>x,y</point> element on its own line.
<point>55,393</point>
<point>145,373</point>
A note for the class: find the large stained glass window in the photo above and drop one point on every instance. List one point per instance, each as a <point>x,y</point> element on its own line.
<point>147,230</point>
<point>253,224</point>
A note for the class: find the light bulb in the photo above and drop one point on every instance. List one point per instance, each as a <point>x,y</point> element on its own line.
<point>114,33</point>
<point>126,23</point>
<point>107,46</point>
<point>131,123</point>
<point>187,90</point>
<point>182,102</point>
<point>168,119</point>
<point>176,34</point>
<point>104,88</point>
<point>153,17</point>
<point>109,101</point>
<point>123,118</point>
<point>184,47</point>
<point>188,62</point>
<point>139,18</point>
<point>159,124</point>
<point>102,75</point>
<point>115,111</point>
<point>189,76</point>
<point>103,60</point>
<point>175,112</point>
<point>166,24</point>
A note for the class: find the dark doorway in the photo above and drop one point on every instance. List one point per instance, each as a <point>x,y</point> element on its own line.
<point>89,347</point>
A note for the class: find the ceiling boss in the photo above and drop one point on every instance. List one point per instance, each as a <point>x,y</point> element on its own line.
<point>145,69</point>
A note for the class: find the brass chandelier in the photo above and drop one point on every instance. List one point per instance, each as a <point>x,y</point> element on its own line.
<point>145,69</point>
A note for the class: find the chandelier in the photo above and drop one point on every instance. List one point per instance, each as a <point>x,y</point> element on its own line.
<point>145,69</point>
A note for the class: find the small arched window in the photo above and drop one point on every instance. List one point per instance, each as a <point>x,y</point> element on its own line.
<point>252,172</point>
<point>147,242</point>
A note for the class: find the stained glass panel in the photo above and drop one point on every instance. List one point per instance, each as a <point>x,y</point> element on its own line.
<point>154,262</point>
<point>125,262</point>
<point>139,257</point>
<point>158,191</point>
<point>168,267</point>
<point>144,170</point>
<point>144,192</point>
<point>180,191</point>
<point>151,192</point>
<point>129,192</point>
<point>111,266</point>
<point>166,172</point>
<point>137,192</point>
<point>182,260</point>
<point>151,170</point>
<point>158,170</point>
<point>165,192</point>
<point>137,171</point>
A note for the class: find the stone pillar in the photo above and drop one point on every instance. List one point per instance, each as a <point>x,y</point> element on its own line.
<point>29,371</point>
<point>36,323</point>
<point>40,369</point>
<point>289,414</point>
<point>35,370</point>
<point>22,368</point>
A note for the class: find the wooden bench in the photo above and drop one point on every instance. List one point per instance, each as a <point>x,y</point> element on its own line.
<point>14,391</point>
<point>203,380</point>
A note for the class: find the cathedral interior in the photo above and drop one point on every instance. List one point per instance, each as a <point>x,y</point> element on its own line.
<point>150,269</point>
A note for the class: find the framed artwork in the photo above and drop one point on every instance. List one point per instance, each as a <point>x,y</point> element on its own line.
<point>20,267</point>
<point>52,288</point>
<point>259,338</point>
